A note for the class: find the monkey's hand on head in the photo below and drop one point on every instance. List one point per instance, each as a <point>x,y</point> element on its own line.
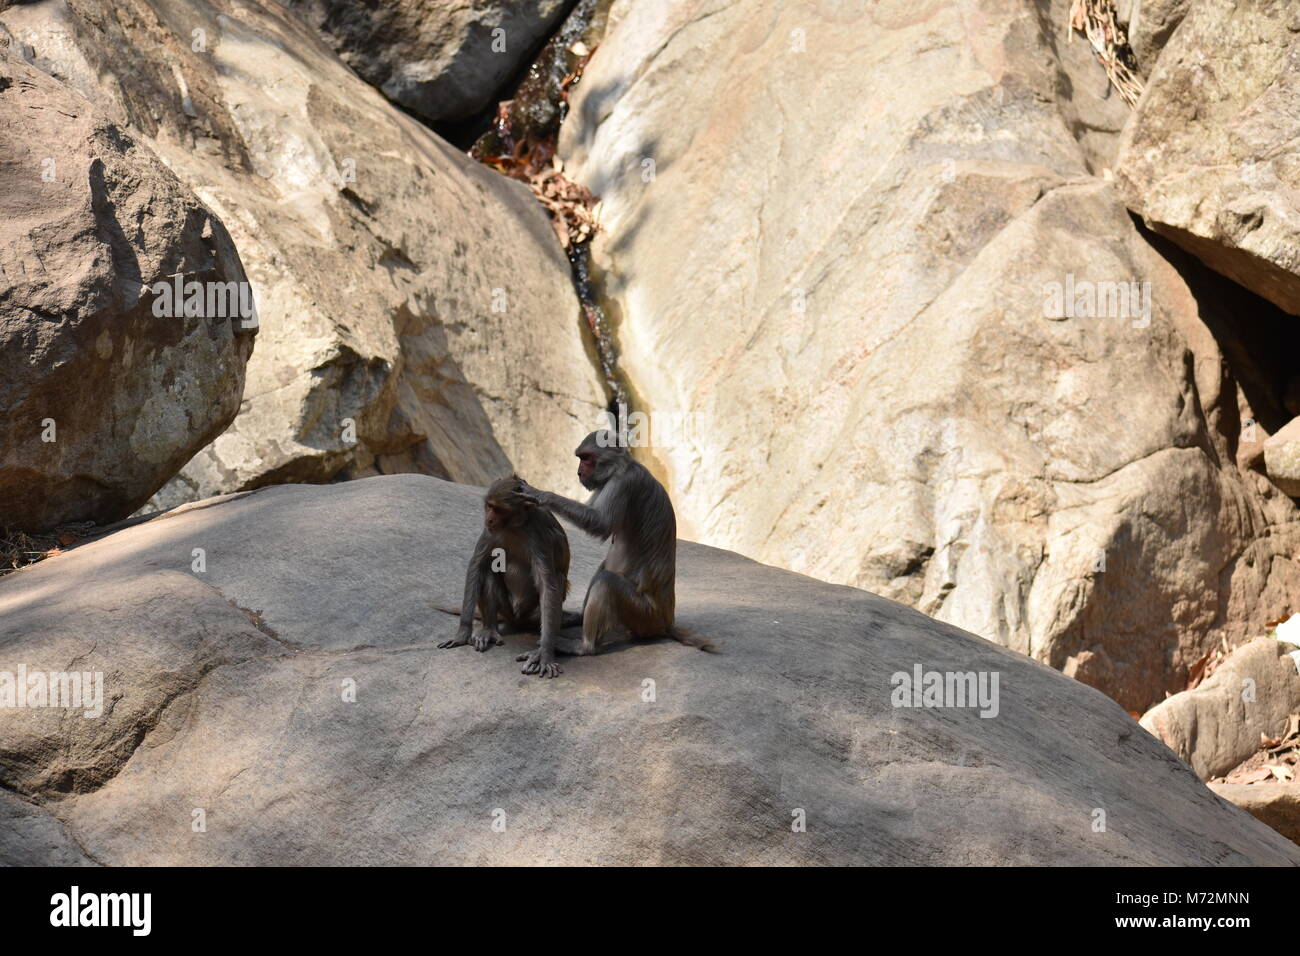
<point>528,491</point>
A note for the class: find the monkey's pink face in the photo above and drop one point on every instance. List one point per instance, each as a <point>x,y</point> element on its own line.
<point>494,516</point>
<point>586,468</point>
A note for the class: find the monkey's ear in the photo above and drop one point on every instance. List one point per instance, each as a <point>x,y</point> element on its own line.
<point>528,502</point>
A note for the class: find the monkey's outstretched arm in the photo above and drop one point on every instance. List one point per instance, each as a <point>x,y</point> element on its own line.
<point>594,519</point>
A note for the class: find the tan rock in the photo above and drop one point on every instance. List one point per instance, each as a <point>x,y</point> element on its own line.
<point>416,311</point>
<point>1282,458</point>
<point>1276,804</point>
<point>1218,724</point>
<point>1149,25</point>
<point>1209,159</point>
<point>107,386</point>
<point>853,290</point>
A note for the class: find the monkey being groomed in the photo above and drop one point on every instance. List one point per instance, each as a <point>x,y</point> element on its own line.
<point>518,573</point>
<point>633,590</point>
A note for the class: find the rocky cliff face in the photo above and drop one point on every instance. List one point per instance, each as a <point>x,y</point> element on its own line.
<point>292,699</point>
<point>921,345</point>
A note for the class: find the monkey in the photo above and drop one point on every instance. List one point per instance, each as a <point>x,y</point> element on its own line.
<point>519,573</point>
<point>633,589</point>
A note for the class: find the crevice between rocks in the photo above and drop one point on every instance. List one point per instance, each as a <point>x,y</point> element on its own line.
<point>524,133</point>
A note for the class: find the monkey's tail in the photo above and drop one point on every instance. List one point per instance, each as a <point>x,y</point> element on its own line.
<point>684,635</point>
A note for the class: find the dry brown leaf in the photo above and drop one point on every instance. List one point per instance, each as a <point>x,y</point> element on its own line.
<point>1096,19</point>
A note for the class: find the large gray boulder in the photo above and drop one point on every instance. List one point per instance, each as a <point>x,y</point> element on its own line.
<point>106,386</point>
<point>441,60</point>
<point>852,294</point>
<point>286,704</point>
<point>416,312</point>
<point>1209,159</point>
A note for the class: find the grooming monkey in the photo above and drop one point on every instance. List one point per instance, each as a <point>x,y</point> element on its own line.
<point>633,590</point>
<point>518,573</point>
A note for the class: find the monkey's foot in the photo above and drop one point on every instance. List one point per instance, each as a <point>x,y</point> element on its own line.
<point>487,639</point>
<point>542,667</point>
<point>457,641</point>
